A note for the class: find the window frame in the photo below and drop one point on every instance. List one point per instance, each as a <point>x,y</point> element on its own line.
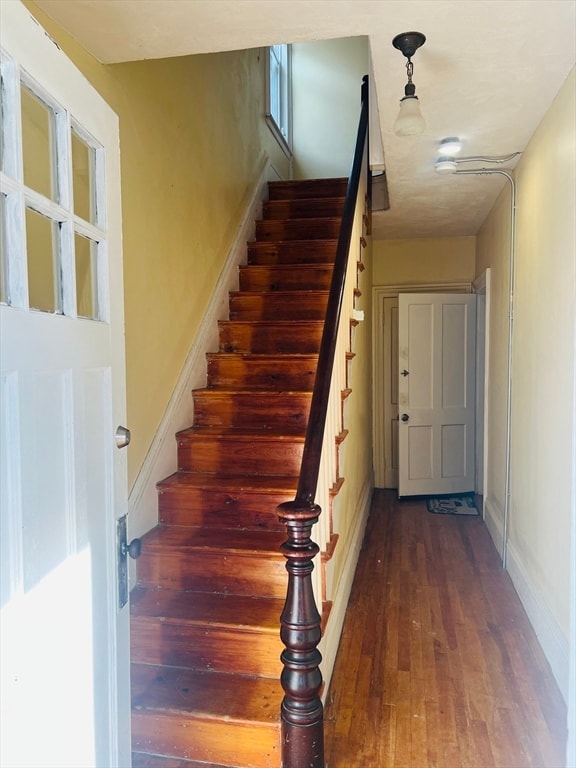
<point>280,125</point>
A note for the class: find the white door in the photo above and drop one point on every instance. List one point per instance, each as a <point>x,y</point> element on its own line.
<point>64,640</point>
<point>436,393</point>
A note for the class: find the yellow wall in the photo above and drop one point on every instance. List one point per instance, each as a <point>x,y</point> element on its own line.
<point>327,77</point>
<point>193,141</point>
<point>543,358</point>
<point>426,260</point>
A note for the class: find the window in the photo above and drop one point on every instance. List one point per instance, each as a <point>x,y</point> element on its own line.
<point>279,96</point>
<point>52,248</point>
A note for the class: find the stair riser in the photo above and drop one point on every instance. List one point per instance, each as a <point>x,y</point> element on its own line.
<point>301,209</point>
<point>206,648</point>
<point>298,229</point>
<point>267,340</point>
<point>252,410</point>
<point>292,252</point>
<point>219,509</point>
<point>239,457</point>
<point>268,306</point>
<point>255,374</point>
<point>257,278</point>
<point>308,189</point>
<point>226,743</point>
<point>207,571</point>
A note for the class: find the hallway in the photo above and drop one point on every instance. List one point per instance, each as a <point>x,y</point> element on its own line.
<point>438,666</point>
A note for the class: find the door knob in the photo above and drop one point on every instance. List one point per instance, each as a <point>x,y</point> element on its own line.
<point>134,549</point>
<point>404,372</point>
<point>405,417</point>
<point>122,437</point>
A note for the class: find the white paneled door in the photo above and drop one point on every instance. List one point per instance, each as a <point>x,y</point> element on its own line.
<point>64,638</point>
<point>436,393</point>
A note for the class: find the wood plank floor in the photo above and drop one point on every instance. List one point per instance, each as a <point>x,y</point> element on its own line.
<point>438,666</point>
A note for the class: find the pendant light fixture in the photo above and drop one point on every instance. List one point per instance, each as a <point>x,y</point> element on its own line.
<point>409,121</point>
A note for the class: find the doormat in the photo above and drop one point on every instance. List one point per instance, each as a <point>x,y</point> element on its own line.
<point>452,505</point>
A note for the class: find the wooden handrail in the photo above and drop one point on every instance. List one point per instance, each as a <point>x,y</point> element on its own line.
<point>302,712</point>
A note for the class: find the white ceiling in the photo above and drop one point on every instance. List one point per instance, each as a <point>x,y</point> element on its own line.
<point>488,73</point>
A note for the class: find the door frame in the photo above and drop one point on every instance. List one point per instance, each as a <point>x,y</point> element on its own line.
<point>482,287</point>
<point>379,293</point>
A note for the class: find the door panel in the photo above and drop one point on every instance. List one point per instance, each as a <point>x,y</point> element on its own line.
<point>436,393</point>
<point>64,643</point>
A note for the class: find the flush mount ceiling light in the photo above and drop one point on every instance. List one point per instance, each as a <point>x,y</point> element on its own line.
<point>450,146</point>
<point>409,121</point>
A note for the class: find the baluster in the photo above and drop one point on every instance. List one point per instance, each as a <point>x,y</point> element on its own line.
<point>302,713</point>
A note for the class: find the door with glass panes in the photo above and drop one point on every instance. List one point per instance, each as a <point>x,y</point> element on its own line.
<point>64,637</point>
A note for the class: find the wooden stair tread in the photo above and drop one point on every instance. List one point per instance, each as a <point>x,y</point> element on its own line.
<point>295,252</point>
<point>294,295</point>
<point>232,484</point>
<point>238,612</point>
<point>241,434</point>
<point>143,760</point>
<point>227,391</point>
<point>302,188</point>
<point>263,356</point>
<point>288,267</point>
<point>283,324</point>
<point>206,695</point>
<point>191,538</point>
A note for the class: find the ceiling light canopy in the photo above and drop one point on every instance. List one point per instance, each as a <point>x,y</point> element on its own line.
<point>450,146</point>
<point>445,165</point>
<point>409,121</point>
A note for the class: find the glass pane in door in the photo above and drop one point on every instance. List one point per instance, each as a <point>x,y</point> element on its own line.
<point>37,144</point>
<point>41,247</point>
<point>86,251</point>
<point>83,157</point>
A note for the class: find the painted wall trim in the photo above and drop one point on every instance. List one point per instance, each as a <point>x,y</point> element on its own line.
<point>160,460</point>
<point>549,634</point>
<point>331,638</point>
<point>493,515</point>
<point>552,641</point>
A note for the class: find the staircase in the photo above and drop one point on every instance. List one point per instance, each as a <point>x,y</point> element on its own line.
<point>211,579</point>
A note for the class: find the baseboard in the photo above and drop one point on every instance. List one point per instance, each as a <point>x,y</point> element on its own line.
<point>160,460</point>
<point>553,643</point>
<point>549,634</point>
<point>331,639</point>
<point>493,518</point>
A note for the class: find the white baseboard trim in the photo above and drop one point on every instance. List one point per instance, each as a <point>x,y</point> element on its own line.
<point>493,518</point>
<point>549,634</point>
<point>160,460</point>
<point>552,641</point>
<point>331,639</point>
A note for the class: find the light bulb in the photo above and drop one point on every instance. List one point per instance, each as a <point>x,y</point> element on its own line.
<point>409,121</point>
<point>450,146</point>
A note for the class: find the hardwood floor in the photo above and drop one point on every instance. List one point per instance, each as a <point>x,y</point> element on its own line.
<point>438,666</point>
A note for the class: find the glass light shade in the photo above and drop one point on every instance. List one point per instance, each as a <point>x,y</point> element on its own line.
<point>409,121</point>
<point>445,165</point>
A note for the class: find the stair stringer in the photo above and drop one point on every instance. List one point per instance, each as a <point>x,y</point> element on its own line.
<point>333,462</point>
<point>160,460</point>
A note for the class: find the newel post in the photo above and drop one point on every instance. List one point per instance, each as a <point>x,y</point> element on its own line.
<point>302,712</point>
